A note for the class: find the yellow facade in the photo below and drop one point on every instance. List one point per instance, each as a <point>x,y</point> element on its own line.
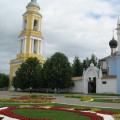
<point>30,38</point>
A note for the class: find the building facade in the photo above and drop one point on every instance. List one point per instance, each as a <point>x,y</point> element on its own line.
<point>30,38</point>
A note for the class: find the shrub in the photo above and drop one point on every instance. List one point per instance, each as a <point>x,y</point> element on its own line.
<point>86,98</point>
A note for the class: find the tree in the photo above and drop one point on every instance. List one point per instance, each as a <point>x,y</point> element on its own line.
<point>94,60</point>
<point>4,80</point>
<point>57,72</point>
<point>47,74</point>
<point>77,67</point>
<point>28,75</point>
<point>86,63</point>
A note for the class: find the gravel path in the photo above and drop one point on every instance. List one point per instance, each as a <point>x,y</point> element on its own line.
<point>75,101</point>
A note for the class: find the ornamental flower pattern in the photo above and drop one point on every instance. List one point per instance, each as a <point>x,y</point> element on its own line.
<point>7,111</point>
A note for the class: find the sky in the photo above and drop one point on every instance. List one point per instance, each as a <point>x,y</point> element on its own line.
<point>74,27</point>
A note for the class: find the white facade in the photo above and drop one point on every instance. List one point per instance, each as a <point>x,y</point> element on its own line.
<point>93,79</point>
<point>78,83</point>
<point>107,86</point>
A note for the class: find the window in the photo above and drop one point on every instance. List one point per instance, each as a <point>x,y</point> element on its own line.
<point>35,46</point>
<point>35,26</point>
<point>89,78</point>
<point>104,82</point>
<point>21,46</point>
<point>25,24</point>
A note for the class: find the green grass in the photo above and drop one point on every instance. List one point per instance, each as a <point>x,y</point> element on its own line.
<point>105,94</point>
<point>52,114</point>
<point>107,100</point>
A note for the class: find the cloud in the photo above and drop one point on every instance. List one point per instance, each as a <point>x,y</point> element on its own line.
<point>77,28</point>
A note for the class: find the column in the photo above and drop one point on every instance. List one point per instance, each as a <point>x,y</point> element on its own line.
<point>38,47</point>
<point>24,45</point>
<point>41,47</point>
<point>32,45</point>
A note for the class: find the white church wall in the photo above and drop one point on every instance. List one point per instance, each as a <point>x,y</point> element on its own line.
<point>107,86</point>
<point>78,86</point>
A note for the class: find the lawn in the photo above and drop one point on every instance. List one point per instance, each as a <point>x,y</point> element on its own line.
<point>107,100</point>
<point>52,114</point>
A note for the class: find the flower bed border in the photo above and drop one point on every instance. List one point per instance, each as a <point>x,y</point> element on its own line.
<point>8,112</point>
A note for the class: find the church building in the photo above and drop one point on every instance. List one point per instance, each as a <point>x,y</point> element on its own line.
<point>107,78</point>
<point>30,38</point>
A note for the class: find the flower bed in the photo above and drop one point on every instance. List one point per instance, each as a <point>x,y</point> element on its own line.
<point>86,98</point>
<point>82,97</point>
<point>32,99</point>
<point>94,114</point>
<point>8,111</point>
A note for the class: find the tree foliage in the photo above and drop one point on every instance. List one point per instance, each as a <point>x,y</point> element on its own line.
<point>28,75</point>
<point>77,67</point>
<point>57,72</point>
<point>87,61</point>
<point>4,80</point>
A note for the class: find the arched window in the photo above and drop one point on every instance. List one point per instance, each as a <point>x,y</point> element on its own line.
<point>25,24</point>
<point>35,45</point>
<point>21,46</point>
<point>35,25</point>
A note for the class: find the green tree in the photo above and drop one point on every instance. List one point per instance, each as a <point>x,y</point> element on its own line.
<point>47,74</point>
<point>77,67</point>
<point>4,80</point>
<point>57,72</point>
<point>94,60</point>
<point>28,75</point>
<point>86,63</point>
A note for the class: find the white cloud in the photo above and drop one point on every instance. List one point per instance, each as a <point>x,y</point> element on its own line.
<point>80,27</point>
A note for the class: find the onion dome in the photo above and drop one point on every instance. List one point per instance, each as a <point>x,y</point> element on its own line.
<point>33,3</point>
<point>113,43</point>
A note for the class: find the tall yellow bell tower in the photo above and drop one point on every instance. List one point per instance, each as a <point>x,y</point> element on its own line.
<point>30,38</point>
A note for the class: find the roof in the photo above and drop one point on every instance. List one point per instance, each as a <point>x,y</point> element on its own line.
<point>33,3</point>
<point>103,59</point>
<point>77,78</point>
<point>108,77</point>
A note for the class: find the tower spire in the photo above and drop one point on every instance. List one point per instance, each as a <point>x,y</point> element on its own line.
<point>118,33</point>
<point>118,21</point>
<point>113,34</point>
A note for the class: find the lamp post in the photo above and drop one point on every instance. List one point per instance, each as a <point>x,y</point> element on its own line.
<point>30,89</point>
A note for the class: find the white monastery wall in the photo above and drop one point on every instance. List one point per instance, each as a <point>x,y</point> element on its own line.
<point>78,88</point>
<point>107,86</point>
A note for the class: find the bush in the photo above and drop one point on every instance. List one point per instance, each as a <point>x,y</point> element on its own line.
<point>4,80</point>
<point>86,98</point>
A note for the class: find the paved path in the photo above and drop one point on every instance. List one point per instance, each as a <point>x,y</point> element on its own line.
<point>63,100</point>
<point>75,101</point>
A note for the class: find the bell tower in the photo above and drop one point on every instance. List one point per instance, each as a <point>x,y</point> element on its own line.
<point>30,38</point>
